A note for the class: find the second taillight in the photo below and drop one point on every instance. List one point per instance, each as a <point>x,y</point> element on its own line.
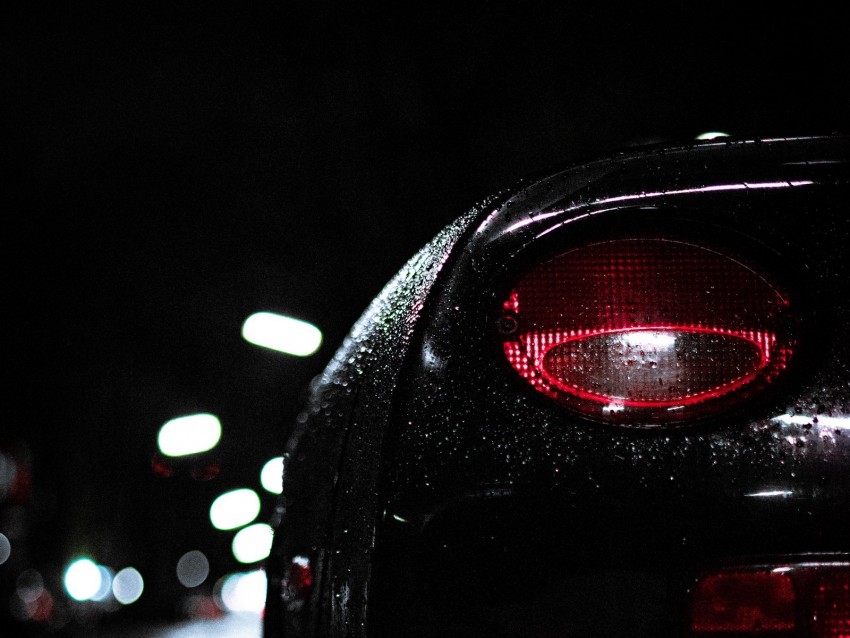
<point>831,607</point>
<point>645,331</point>
<point>744,603</point>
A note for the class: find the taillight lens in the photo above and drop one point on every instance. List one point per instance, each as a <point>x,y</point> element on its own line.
<point>744,603</point>
<point>831,606</point>
<point>645,331</point>
<point>809,599</point>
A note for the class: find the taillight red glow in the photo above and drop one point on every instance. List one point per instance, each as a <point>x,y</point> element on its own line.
<point>300,579</point>
<point>638,330</point>
<point>831,606</point>
<point>744,602</point>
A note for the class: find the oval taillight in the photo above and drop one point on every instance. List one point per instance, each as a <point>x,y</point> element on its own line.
<point>645,331</point>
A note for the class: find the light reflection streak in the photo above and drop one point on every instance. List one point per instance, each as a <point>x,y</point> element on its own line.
<point>813,162</point>
<point>771,494</point>
<point>705,189</point>
<point>654,194</point>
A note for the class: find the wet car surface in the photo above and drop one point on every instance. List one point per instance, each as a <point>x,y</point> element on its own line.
<point>489,452</point>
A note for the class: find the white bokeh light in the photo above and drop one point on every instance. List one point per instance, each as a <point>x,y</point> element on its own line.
<point>193,568</point>
<point>284,334</point>
<point>271,476</point>
<point>127,586</point>
<point>189,435</point>
<point>253,543</point>
<point>105,590</point>
<point>244,592</point>
<point>5,549</point>
<point>234,509</point>
<point>82,579</point>
<point>29,586</point>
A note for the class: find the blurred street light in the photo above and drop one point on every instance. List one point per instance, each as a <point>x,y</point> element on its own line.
<point>271,476</point>
<point>253,543</point>
<point>189,435</point>
<point>284,334</point>
<point>83,579</point>
<point>234,509</point>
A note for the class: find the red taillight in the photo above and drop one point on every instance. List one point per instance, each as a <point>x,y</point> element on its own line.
<point>744,602</point>
<point>300,578</point>
<point>809,599</point>
<point>641,330</point>
<point>831,606</point>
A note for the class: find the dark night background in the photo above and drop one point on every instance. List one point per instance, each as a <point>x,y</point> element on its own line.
<point>168,173</point>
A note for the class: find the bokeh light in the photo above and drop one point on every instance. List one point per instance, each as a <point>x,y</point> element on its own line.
<point>234,509</point>
<point>253,543</point>
<point>192,568</point>
<point>284,334</point>
<point>271,476</point>
<point>32,600</point>
<point>82,579</point>
<point>244,592</point>
<point>201,606</point>
<point>189,435</point>
<point>128,585</point>
<point>105,590</point>
<point>29,586</point>
<point>5,549</point>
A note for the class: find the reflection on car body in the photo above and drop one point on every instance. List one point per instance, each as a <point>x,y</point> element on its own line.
<point>610,402</point>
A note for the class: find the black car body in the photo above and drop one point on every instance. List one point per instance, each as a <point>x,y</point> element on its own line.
<point>437,484</point>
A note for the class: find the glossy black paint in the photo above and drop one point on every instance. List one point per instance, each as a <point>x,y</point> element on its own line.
<point>433,492</point>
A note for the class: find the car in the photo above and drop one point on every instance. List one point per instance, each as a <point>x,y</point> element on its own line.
<point>611,401</point>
